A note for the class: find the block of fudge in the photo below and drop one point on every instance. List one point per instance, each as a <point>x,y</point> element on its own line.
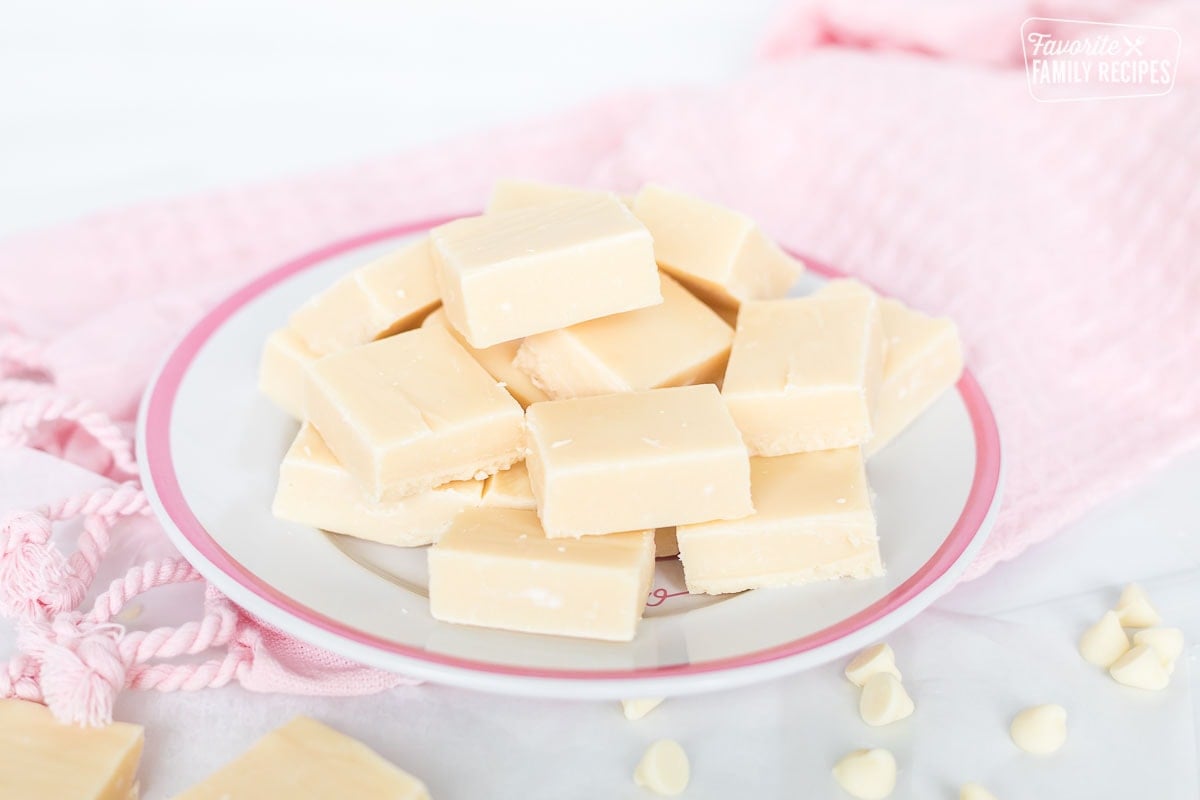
<point>497,360</point>
<point>812,521</point>
<point>509,488</point>
<point>636,461</point>
<point>678,342</point>
<point>509,194</point>
<point>411,412</point>
<point>386,296</point>
<point>720,255</point>
<point>285,358</point>
<point>41,757</point>
<point>496,568</point>
<point>315,489</point>
<point>305,759</point>
<point>509,275</point>
<point>804,373</point>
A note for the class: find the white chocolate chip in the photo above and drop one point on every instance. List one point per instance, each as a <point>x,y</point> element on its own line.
<point>973,791</point>
<point>1104,642</point>
<point>1040,730</point>
<point>1167,642</point>
<point>883,700</point>
<point>1141,668</point>
<point>663,769</point>
<point>875,659</point>
<point>867,774</point>
<point>1135,610</point>
<point>636,709</point>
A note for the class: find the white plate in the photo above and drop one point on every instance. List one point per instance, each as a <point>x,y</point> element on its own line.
<point>210,447</point>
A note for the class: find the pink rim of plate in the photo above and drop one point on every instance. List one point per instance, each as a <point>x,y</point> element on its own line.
<point>161,471</point>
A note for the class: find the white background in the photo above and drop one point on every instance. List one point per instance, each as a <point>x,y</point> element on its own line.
<point>111,103</point>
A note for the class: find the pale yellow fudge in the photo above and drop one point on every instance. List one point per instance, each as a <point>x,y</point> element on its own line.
<point>315,489</point>
<point>679,342</point>
<point>496,568</point>
<point>638,460</point>
<point>497,360</point>
<point>285,359</point>
<point>720,255</point>
<point>513,274</point>
<point>44,759</point>
<point>509,488</point>
<point>386,296</point>
<point>411,412</point>
<point>305,759</point>
<point>812,521</point>
<point>509,194</point>
<point>804,373</point>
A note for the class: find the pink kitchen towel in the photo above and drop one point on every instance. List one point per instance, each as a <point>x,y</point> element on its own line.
<point>902,146</point>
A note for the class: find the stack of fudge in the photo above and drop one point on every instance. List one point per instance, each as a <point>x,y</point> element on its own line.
<point>560,389</point>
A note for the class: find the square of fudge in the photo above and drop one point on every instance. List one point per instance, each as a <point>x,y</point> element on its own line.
<point>411,412</point>
<point>513,274</point>
<point>720,255</point>
<point>496,568</point>
<point>635,461</point>
<point>281,370</point>
<point>924,359</point>
<point>315,489</point>
<point>812,521</point>
<point>804,373</point>
<point>497,360</point>
<point>41,757</point>
<point>386,296</point>
<point>678,342</point>
<point>305,759</point>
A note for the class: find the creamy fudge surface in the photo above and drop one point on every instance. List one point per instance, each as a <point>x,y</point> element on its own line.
<point>497,360</point>
<point>513,274</point>
<point>413,411</point>
<point>636,460</point>
<point>388,295</point>
<point>509,488</point>
<point>315,489</point>
<point>42,758</point>
<point>804,373</point>
<point>496,568</point>
<point>678,342</point>
<point>923,358</point>
<point>812,521</point>
<point>719,254</point>
<point>305,759</point>
<point>281,372</point>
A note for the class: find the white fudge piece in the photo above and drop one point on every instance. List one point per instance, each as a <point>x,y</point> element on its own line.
<point>514,274</point>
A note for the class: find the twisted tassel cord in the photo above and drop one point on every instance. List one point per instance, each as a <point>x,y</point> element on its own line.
<point>73,662</point>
